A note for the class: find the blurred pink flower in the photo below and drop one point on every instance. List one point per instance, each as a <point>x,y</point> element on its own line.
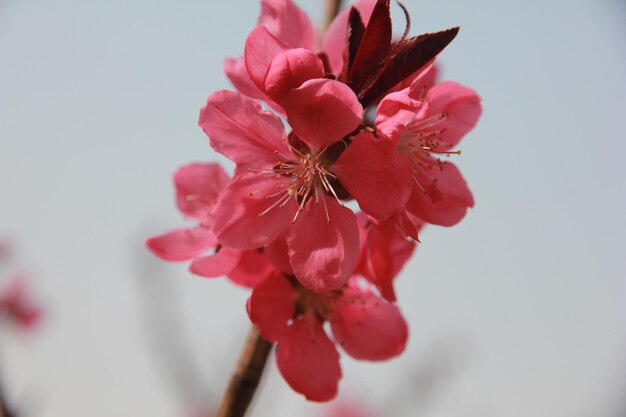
<point>5,249</point>
<point>17,304</point>
<point>197,189</point>
<point>345,408</point>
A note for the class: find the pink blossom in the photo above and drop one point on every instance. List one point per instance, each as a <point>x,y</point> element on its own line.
<point>281,52</point>
<point>18,305</point>
<point>295,184</point>
<point>384,253</point>
<point>366,326</point>
<point>197,189</point>
<point>281,26</point>
<point>426,122</point>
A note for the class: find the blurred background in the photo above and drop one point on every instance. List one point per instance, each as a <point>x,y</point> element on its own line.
<point>518,311</point>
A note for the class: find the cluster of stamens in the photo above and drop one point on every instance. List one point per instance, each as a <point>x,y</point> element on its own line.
<point>305,178</point>
<point>425,149</point>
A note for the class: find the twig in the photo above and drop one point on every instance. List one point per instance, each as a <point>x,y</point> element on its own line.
<point>332,8</point>
<point>5,411</point>
<point>245,380</point>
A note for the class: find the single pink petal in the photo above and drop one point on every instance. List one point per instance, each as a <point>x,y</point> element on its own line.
<point>386,252</point>
<point>321,112</point>
<point>251,269</point>
<point>410,224</point>
<point>460,106</point>
<point>271,306</point>
<point>238,75</point>
<point>335,40</point>
<point>243,217</point>
<point>323,252</point>
<point>182,244</point>
<point>395,113</point>
<point>236,72</point>
<point>420,81</point>
<point>197,187</point>
<point>367,327</point>
<point>376,175</point>
<point>289,69</point>
<point>286,21</point>
<point>261,48</point>
<point>277,253</point>
<point>217,265</point>
<point>240,129</point>
<point>308,360</point>
<point>445,201</point>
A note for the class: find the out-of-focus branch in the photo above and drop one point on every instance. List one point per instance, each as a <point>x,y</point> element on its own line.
<point>5,411</point>
<point>332,8</point>
<point>245,379</point>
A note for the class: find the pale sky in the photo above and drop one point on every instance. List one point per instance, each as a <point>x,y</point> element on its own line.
<point>98,107</point>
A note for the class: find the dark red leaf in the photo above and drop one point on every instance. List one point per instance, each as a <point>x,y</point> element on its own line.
<point>406,57</point>
<point>356,30</point>
<point>374,46</point>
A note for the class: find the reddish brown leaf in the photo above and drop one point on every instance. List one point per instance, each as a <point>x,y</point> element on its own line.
<point>374,46</point>
<point>356,30</point>
<point>406,57</point>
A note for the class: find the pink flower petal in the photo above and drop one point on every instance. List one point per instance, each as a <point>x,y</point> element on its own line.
<point>217,265</point>
<point>252,269</point>
<point>386,252</point>
<point>410,224</point>
<point>335,40</point>
<point>308,360</point>
<point>323,253</point>
<point>420,81</point>
<point>261,48</point>
<point>277,253</point>
<point>321,112</point>
<point>182,244</point>
<point>395,113</point>
<point>240,129</point>
<point>238,222</point>
<point>289,69</point>
<point>236,72</point>
<point>367,327</point>
<point>286,21</point>
<point>461,106</point>
<point>197,188</point>
<point>271,306</point>
<point>453,198</point>
<point>376,175</point>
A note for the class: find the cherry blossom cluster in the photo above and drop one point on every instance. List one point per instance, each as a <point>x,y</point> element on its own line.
<point>367,125</point>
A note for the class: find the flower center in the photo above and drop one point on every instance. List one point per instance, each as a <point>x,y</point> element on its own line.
<point>319,304</point>
<point>305,178</point>
<point>423,144</point>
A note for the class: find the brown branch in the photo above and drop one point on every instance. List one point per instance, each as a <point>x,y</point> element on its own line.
<point>245,379</point>
<point>332,8</point>
<point>5,411</point>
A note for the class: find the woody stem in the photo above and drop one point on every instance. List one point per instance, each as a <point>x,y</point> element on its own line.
<point>245,379</point>
<point>5,411</point>
<point>332,8</point>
